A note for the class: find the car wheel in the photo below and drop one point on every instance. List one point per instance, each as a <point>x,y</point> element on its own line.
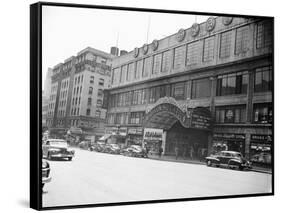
<point>70,158</point>
<point>241,168</point>
<point>209,163</point>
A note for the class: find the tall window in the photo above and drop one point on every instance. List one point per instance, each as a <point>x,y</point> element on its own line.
<point>100,92</point>
<point>263,79</point>
<point>131,71</point>
<point>88,112</point>
<point>123,73</point>
<point>242,39</point>
<point>139,69</point>
<point>231,114</point>
<point>157,63</point>
<point>99,103</point>
<point>178,91</point>
<point>116,75</point>
<point>263,113</point>
<point>136,117</point>
<point>225,44</point>
<point>193,53</point>
<point>101,81</point>
<point>179,61</point>
<point>167,61</point>
<point>92,78</point>
<point>201,88</point>
<point>147,67</point>
<point>264,34</point>
<point>209,44</point>
<point>230,84</point>
<point>89,101</point>
<point>98,113</point>
<point>90,90</point>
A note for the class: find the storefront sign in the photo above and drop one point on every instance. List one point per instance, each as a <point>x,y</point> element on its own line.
<point>153,134</point>
<point>261,138</point>
<point>200,121</point>
<point>229,136</point>
<point>135,131</point>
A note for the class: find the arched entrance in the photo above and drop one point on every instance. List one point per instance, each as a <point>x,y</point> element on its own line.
<point>188,129</point>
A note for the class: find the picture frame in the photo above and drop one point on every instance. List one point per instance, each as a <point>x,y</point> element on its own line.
<point>235,116</point>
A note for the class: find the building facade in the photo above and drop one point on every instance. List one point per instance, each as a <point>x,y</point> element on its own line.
<point>76,95</point>
<point>208,87</point>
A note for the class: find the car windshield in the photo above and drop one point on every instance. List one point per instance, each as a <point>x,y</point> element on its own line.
<point>237,155</point>
<point>58,143</point>
<point>138,148</point>
<point>115,146</point>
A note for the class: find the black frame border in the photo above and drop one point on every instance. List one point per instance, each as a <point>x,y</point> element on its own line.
<point>36,105</point>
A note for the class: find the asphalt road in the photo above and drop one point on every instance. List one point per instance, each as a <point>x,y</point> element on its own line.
<point>92,178</point>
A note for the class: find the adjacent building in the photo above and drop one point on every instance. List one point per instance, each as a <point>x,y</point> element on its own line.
<point>76,94</point>
<point>208,87</point>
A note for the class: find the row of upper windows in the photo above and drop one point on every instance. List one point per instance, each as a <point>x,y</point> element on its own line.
<point>189,54</point>
<point>229,84</point>
<point>126,118</point>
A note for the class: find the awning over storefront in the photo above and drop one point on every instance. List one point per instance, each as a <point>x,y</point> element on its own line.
<point>167,111</point>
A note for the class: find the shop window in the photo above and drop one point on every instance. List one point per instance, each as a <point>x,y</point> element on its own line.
<point>231,114</point>
<point>193,53</point>
<point>156,64</point>
<point>264,34</point>
<point>178,91</point>
<point>167,61</point>
<point>263,79</point>
<point>235,83</point>
<point>208,53</point>
<point>147,67</point>
<point>261,149</point>
<point>263,113</point>
<point>201,88</point>
<point>179,57</point>
<point>242,40</point>
<point>225,44</point>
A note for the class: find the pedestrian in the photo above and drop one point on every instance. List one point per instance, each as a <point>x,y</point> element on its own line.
<point>191,152</point>
<point>160,151</point>
<point>177,152</point>
<point>146,150</point>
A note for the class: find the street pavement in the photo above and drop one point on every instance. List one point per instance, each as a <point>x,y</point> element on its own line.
<point>94,178</point>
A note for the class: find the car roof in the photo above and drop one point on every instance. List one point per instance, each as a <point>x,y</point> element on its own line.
<point>231,152</point>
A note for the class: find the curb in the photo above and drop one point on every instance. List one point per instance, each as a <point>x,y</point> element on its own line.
<point>201,163</point>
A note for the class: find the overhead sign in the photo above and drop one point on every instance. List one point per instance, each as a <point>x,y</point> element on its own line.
<point>153,134</point>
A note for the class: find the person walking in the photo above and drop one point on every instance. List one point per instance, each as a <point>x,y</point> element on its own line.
<point>160,151</point>
<point>177,152</point>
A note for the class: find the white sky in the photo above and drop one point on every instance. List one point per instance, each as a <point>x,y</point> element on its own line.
<point>66,31</point>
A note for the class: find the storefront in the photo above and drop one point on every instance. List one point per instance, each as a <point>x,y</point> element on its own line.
<point>261,149</point>
<point>135,136</point>
<point>228,141</point>
<point>152,139</point>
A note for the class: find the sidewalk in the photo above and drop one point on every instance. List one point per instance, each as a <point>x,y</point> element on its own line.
<point>183,160</point>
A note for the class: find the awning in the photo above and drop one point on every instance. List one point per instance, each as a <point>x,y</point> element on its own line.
<point>104,137</point>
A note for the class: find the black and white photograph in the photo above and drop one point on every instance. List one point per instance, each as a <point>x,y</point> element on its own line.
<point>145,105</point>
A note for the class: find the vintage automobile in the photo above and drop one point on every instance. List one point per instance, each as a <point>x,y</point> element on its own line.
<point>112,148</point>
<point>98,147</point>
<point>134,151</point>
<point>231,159</point>
<point>57,148</point>
<point>46,178</point>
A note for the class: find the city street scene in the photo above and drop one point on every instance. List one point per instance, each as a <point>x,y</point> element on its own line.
<point>137,110</point>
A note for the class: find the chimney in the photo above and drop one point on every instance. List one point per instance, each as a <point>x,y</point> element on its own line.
<point>114,51</point>
<point>123,52</point>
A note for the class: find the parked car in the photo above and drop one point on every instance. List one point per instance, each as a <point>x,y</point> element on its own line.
<point>261,158</point>
<point>112,148</point>
<point>46,178</point>
<point>231,159</point>
<point>134,151</point>
<point>98,147</point>
<point>57,148</point>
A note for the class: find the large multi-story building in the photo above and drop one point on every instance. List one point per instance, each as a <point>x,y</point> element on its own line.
<point>76,96</point>
<point>206,87</point>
